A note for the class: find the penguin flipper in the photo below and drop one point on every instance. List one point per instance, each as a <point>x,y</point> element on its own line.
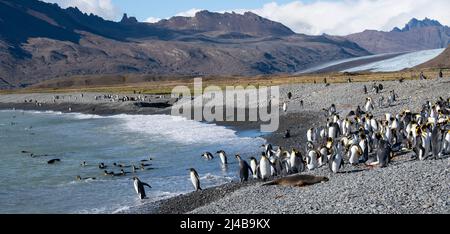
<point>145,184</point>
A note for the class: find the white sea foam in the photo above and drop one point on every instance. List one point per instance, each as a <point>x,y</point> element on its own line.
<point>178,129</point>
<point>400,62</point>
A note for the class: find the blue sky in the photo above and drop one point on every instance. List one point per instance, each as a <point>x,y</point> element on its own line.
<point>143,9</point>
<point>314,17</point>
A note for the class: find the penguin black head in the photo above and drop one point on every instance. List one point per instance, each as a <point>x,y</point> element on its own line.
<point>237,156</point>
<point>78,177</point>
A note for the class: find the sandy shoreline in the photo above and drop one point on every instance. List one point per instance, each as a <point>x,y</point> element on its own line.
<point>433,196</point>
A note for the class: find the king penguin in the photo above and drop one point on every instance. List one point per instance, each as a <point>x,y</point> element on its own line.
<point>223,157</point>
<point>337,159</point>
<point>243,168</point>
<point>264,167</point>
<point>254,166</point>
<point>139,187</point>
<point>208,156</point>
<point>195,179</point>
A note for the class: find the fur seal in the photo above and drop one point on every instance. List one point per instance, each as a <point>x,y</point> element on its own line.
<point>298,180</point>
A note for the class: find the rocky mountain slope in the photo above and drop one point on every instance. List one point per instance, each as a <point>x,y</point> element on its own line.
<point>416,35</point>
<point>41,41</point>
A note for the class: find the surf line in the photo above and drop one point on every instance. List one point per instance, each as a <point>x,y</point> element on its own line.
<point>232,104</point>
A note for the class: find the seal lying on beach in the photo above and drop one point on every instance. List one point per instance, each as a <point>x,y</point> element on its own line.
<point>298,180</point>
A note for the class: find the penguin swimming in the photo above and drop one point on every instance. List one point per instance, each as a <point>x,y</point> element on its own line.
<point>243,168</point>
<point>223,157</point>
<point>195,179</point>
<point>53,161</point>
<point>139,187</point>
<point>87,178</point>
<point>83,164</point>
<point>208,156</point>
<point>102,166</point>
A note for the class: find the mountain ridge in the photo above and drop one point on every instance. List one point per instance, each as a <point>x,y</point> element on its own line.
<point>66,42</point>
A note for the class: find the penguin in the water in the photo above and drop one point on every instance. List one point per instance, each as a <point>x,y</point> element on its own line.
<point>139,187</point>
<point>102,166</point>
<point>195,179</point>
<point>208,156</point>
<point>53,161</point>
<point>87,178</point>
<point>243,168</point>
<point>223,157</point>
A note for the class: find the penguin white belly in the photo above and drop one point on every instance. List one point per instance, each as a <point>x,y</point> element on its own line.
<point>426,144</point>
<point>332,132</point>
<point>324,157</point>
<point>335,165</point>
<point>354,156</point>
<point>313,163</point>
<point>136,186</point>
<point>253,166</point>
<point>374,125</point>
<point>446,145</point>
<point>265,169</point>
<point>323,133</point>
<point>309,135</point>
<point>223,158</point>
<point>367,107</point>
<point>194,180</point>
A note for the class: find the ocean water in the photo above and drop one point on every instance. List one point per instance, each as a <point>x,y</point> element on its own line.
<point>30,185</point>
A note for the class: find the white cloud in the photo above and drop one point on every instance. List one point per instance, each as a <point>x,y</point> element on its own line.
<point>347,16</point>
<point>189,13</point>
<point>152,20</point>
<point>350,16</point>
<point>103,8</point>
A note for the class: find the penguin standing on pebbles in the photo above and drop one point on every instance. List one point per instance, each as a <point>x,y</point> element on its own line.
<point>254,166</point>
<point>195,179</point>
<point>243,168</point>
<point>264,167</point>
<point>369,104</point>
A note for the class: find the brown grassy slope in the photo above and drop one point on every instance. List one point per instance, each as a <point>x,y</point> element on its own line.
<point>164,85</point>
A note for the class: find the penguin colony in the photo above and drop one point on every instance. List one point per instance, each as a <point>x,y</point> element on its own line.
<point>358,139</point>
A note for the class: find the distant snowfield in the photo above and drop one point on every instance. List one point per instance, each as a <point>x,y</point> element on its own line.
<point>398,63</point>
